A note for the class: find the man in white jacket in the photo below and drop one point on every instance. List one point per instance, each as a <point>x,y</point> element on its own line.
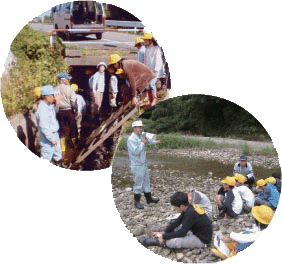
<point>137,156</point>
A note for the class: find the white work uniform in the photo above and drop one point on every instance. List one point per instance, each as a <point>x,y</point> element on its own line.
<point>138,164</point>
<point>98,89</point>
<point>153,60</point>
<point>48,131</point>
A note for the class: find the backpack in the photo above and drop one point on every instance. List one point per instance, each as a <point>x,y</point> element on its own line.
<point>90,81</point>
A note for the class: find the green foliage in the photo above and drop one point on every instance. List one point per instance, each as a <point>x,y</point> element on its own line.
<point>36,66</point>
<point>175,142</point>
<point>203,115</point>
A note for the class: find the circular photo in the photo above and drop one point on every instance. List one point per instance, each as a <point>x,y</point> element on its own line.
<point>74,75</point>
<point>196,179</point>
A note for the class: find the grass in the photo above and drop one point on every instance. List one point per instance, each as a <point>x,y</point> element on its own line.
<point>178,142</point>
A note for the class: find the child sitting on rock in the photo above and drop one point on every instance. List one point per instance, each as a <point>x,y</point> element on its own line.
<point>269,195</point>
<point>246,194</point>
<point>196,197</point>
<point>192,229</point>
<point>231,202</point>
<point>237,242</point>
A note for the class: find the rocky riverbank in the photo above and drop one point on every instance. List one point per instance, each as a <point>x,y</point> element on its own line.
<point>223,155</point>
<point>164,183</point>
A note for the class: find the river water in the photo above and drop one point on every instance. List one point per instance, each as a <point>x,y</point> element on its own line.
<point>185,166</point>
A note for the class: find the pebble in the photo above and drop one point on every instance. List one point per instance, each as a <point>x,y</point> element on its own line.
<point>179,256</point>
<point>153,217</point>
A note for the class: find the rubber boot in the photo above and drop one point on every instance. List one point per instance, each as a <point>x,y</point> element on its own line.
<point>137,203</point>
<point>148,242</point>
<point>150,199</point>
<point>59,163</point>
<point>63,144</point>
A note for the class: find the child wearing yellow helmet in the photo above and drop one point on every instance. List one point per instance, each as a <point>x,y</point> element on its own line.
<point>137,74</point>
<point>268,196</point>
<point>246,194</point>
<point>231,202</point>
<point>140,46</point>
<point>81,107</point>
<point>262,216</point>
<point>277,176</point>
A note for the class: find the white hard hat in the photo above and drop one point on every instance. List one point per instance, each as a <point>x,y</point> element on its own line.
<point>102,64</point>
<point>137,123</point>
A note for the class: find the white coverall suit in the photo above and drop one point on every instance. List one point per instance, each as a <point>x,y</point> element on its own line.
<point>139,170</point>
<point>48,131</point>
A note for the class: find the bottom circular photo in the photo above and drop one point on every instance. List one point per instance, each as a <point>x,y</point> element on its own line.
<point>196,179</point>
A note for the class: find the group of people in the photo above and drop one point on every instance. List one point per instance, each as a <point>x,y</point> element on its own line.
<point>192,226</point>
<point>59,110</point>
<point>138,78</point>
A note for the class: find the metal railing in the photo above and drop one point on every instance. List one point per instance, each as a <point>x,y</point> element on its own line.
<point>90,31</point>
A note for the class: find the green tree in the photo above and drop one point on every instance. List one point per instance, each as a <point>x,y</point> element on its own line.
<point>36,65</point>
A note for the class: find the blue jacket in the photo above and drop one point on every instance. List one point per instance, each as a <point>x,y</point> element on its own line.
<point>271,195</point>
<point>47,122</point>
<point>278,185</point>
<point>136,150</point>
<point>246,171</point>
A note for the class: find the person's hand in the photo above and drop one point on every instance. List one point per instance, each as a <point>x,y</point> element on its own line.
<point>134,101</point>
<point>155,73</point>
<point>159,141</point>
<point>145,140</point>
<point>54,143</point>
<point>157,234</point>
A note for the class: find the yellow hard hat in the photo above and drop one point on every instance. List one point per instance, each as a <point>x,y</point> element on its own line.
<point>270,180</point>
<point>74,87</point>
<point>229,180</point>
<point>263,214</point>
<point>120,71</point>
<point>148,36</point>
<point>139,40</point>
<point>37,92</point>
<point>240,178</point>
<point>114,58</point>
<point>260,183</point>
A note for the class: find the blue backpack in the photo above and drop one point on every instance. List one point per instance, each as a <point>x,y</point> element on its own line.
<point>90,82</point>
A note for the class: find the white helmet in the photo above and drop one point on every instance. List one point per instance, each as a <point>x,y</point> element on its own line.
<point>137,123</point>
<point>102,64</point>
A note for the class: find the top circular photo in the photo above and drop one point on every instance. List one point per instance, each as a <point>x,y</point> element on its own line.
<point>73,78</point>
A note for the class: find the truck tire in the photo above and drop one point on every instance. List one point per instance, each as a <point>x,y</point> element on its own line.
<point>99,36</point>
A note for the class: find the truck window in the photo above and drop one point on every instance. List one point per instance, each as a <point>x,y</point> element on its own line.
<point>99,8</point>
<point>68,6</point>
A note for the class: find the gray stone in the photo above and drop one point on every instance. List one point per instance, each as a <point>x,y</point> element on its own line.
<point>138,231</point>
